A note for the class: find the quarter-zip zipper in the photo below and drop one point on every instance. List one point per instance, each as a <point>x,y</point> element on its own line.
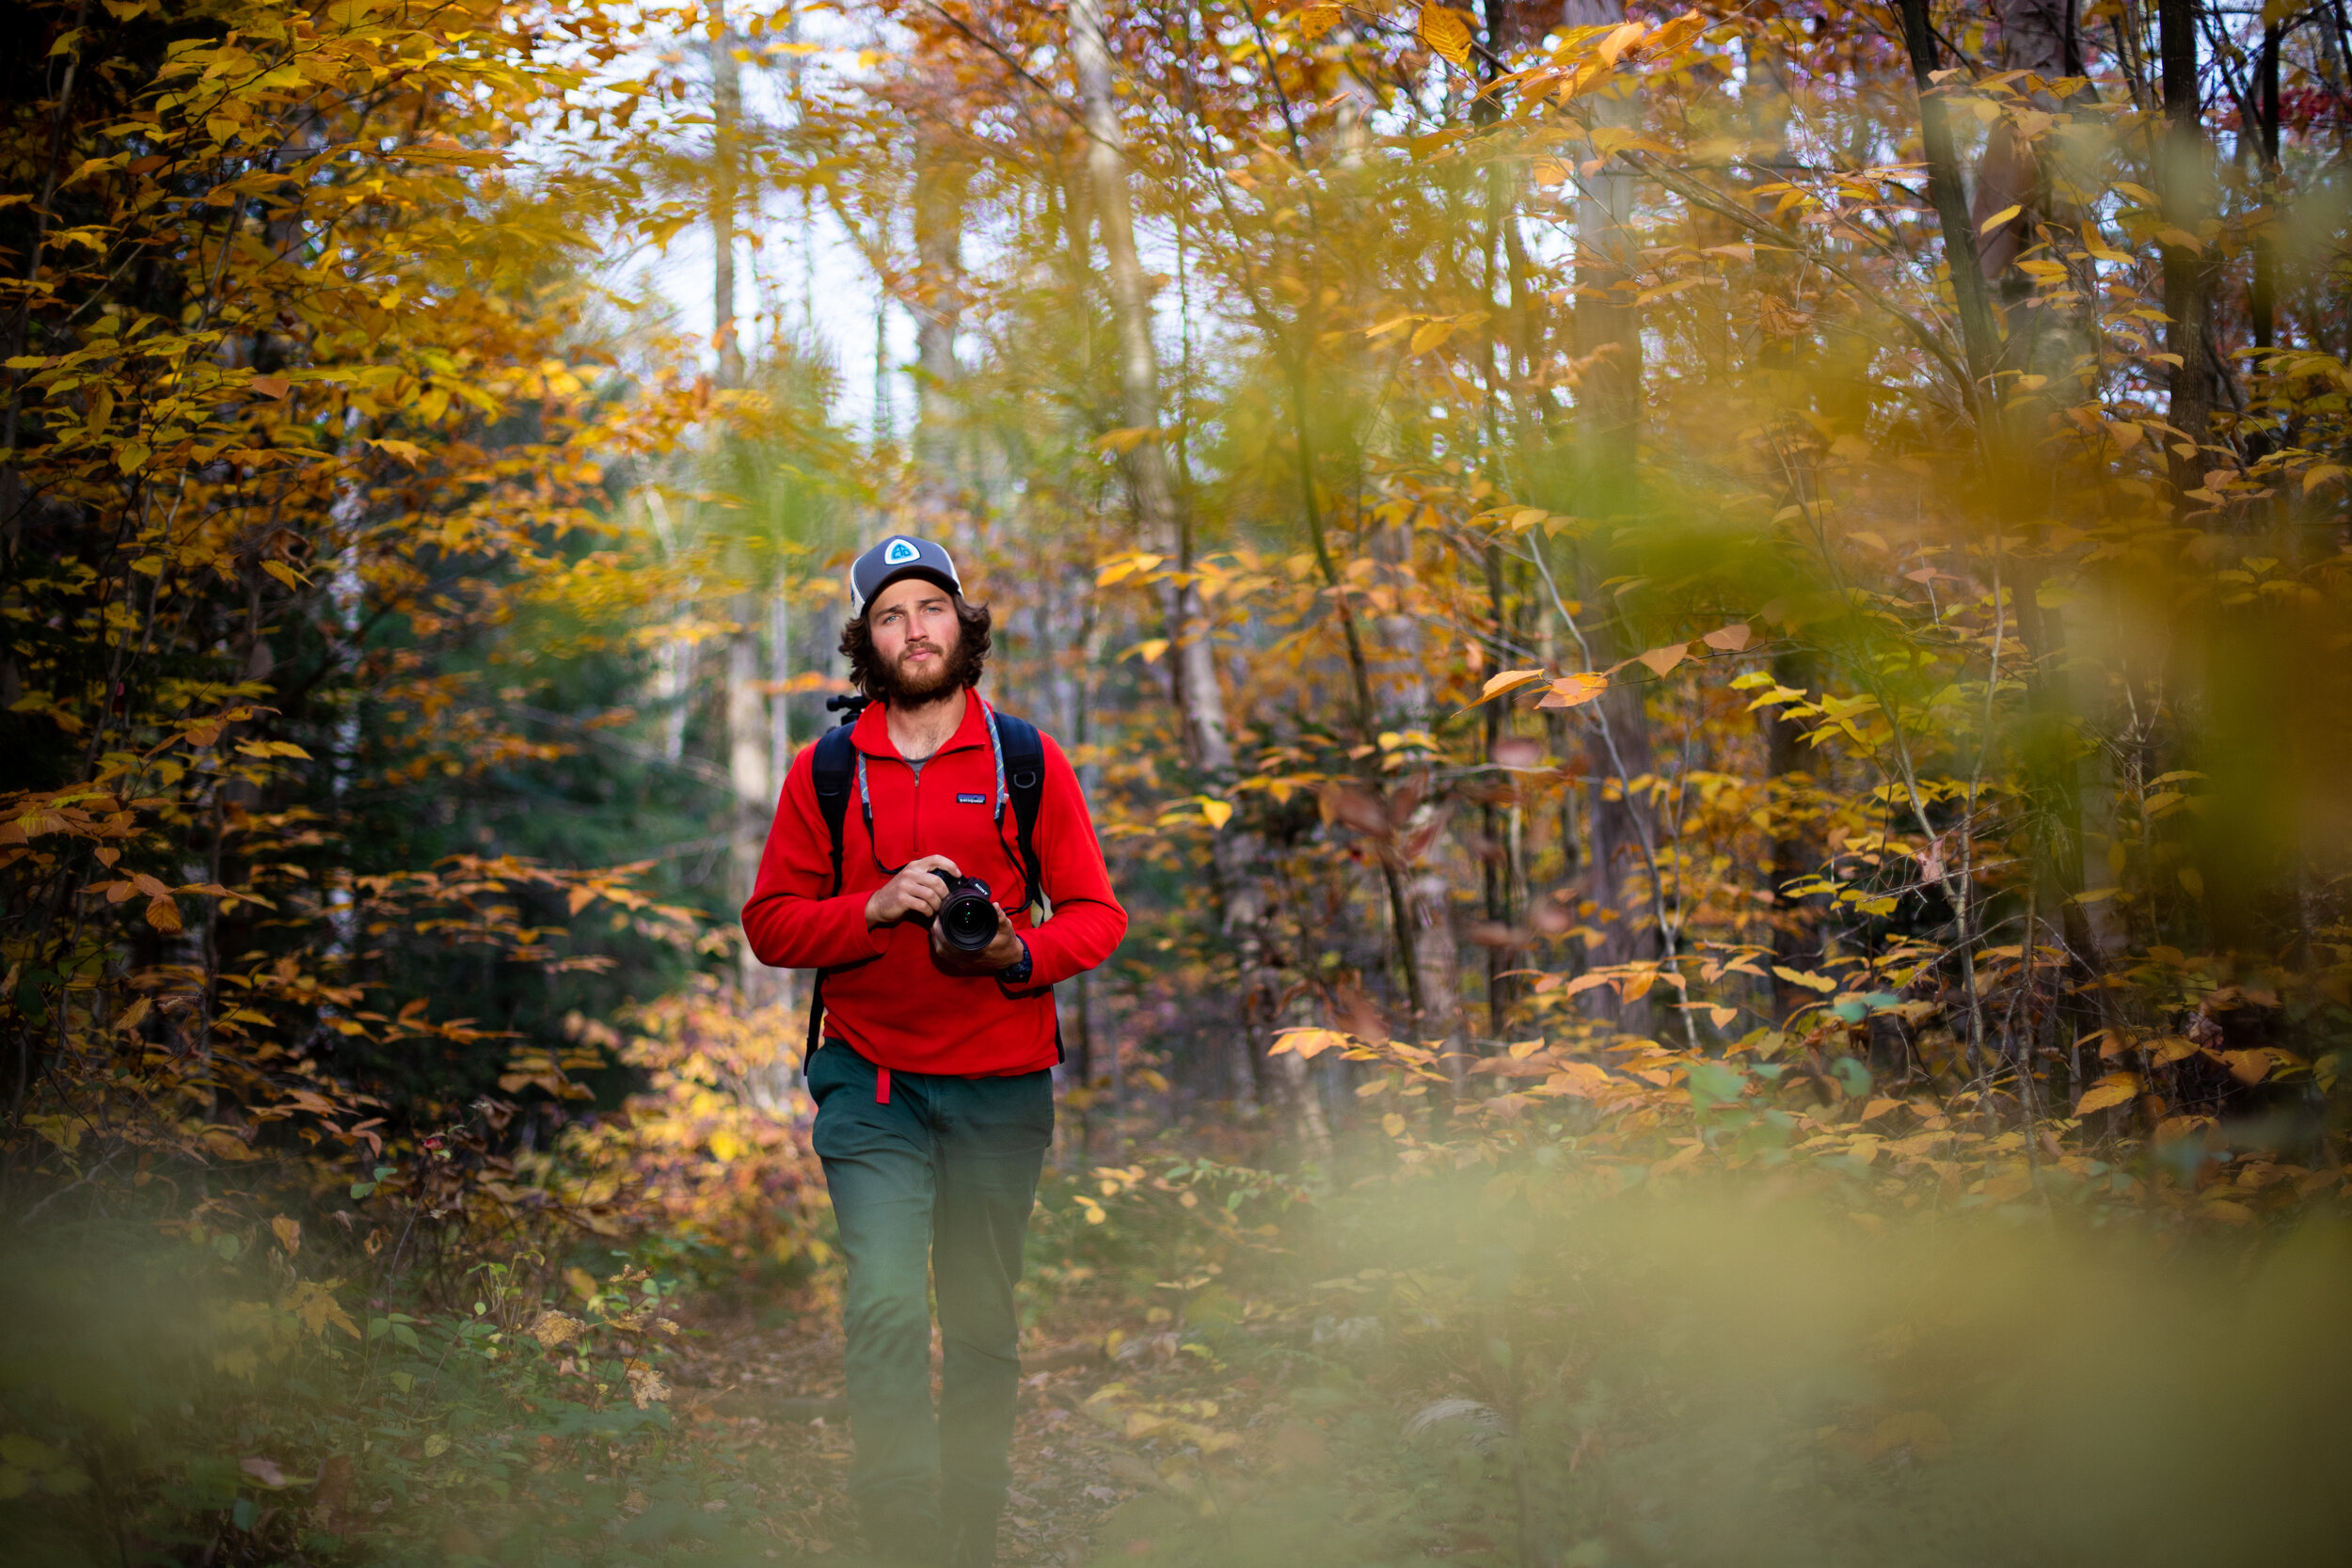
<point>915,813</point>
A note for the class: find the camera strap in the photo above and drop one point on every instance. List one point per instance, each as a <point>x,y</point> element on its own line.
<point>1020,782</point>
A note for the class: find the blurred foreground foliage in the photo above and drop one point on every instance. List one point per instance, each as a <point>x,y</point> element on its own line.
<point>1709,644</point>
<point>1722,1372</point>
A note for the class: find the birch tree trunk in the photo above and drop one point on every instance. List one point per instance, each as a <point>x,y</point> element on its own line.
<point>726,118</point>
<point>750,743</point>
<point>779,759</point>
<point>1236,855</point>
<point>1148,476</point>
<point>1609,414</point>
<point>938,308</point>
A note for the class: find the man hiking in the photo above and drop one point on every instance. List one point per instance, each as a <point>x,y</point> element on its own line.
<point>934,1099</point>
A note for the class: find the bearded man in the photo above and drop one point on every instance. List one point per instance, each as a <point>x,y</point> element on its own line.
<point>934,1088</point>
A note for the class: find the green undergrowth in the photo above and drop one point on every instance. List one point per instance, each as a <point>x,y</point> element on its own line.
<point>1557,1372</point>
<point>163,1401</point>
<point>1743,1373</point>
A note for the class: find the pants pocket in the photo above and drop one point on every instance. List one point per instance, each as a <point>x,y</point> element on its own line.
<point>826,1067</point>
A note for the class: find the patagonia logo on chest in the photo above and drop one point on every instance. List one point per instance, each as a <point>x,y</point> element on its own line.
<point>971,800</point>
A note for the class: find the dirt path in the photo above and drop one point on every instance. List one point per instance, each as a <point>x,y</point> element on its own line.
<point>769,1398</point>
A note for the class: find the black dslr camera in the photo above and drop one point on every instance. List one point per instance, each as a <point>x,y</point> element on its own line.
<point>967,917</point>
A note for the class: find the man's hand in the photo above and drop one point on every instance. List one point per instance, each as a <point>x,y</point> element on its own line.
<point>915,890</point>
<point>1001,954</point>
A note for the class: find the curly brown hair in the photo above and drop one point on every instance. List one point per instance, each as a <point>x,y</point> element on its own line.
<point>965,665</point>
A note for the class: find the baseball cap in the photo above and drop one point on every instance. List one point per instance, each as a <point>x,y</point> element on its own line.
<point>899,555</point>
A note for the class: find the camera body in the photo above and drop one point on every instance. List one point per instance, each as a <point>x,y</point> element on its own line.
<point>967,916</point>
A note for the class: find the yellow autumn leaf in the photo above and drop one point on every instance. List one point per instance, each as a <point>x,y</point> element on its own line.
<point>1216,812</point>
<point>1822,983</point>
<point>1999,219</point>
<point>554,1330</point>
<point>1444,29</point>
<point>1509,680</point>
<point>1124,440</point>
<point>1119,568</point>
<point>1621,37</point>
<point>2248,1066</point>
<point>1730,639</point>
<point>1315,21</point>
<point>1574,690</point>
<point>1307,1042</point>
<point>2114,1090</point>
<point>64,1132</point>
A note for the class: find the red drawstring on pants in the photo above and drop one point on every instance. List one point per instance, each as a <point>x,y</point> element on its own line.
<point>881,1086</point>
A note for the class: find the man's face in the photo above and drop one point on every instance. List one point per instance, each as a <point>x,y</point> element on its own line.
<point>912,622</point>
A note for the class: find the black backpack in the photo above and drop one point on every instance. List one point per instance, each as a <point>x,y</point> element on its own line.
<point>835,768</point>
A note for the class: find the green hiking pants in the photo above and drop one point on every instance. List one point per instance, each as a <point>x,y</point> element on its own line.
<point>934,1171</point>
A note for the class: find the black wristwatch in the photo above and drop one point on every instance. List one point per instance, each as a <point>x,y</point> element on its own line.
<point>1017,972</point>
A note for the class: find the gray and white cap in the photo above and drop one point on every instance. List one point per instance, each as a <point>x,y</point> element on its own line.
<point>899,556</point>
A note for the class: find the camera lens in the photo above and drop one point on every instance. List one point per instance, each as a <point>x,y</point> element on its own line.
<point>967,919</point>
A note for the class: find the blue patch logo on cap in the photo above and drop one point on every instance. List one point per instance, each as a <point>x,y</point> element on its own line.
<point>900,552</point>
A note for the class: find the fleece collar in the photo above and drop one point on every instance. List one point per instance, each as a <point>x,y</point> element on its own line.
<point>871,734</point>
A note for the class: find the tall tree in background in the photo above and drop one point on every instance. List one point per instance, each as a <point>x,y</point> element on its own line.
<point>1236,861</point>
<point>2184,182</point>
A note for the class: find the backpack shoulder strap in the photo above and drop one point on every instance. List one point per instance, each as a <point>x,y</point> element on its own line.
<point>830,770</point>
<point>1025,784</point>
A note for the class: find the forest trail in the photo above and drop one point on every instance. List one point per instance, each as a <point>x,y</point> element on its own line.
<point>765,1385</point>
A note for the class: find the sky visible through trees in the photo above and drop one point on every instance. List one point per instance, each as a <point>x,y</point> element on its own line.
<point>1666,613</point>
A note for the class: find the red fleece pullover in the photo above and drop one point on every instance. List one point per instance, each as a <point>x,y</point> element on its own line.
<point>897,1010</point>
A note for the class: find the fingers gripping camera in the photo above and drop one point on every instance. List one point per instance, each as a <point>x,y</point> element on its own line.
<point>967,916</point>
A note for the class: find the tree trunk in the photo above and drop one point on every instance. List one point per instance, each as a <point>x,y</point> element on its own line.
<point>1236,854</point>
<point>2184,186</point>
<point>1609,413</point>
<point>750,743</point>
<point>1495,861</point>
<point>2262,302</point>
<point>778,751</point>
<point>726,117</point>
<point>1796,850</point>
<point>938,306</point>
<point>1147,465</point>
<point>1949,197</point>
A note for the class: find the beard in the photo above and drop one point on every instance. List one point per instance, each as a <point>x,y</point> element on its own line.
<point>952,673</point>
